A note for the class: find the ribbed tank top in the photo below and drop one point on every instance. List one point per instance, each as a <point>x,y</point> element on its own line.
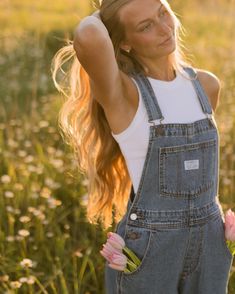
<point>178,102</point>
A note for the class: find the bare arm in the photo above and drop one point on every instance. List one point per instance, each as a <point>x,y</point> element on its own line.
<point>212,86</point>
<point>95,52</point>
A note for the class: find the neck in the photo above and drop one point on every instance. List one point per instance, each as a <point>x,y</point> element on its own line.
<point>161,69</point>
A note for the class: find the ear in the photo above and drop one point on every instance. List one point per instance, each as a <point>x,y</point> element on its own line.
<point>125,46</point>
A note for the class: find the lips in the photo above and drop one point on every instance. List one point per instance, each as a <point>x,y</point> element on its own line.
<point>163,43</point>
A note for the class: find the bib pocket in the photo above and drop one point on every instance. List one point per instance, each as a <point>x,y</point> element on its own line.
<point>187,170</point>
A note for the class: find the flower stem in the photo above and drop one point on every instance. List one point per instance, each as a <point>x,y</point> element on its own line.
<point>132,255</point>
<point>231,246</point>
<point>131,264</point>
<point>126,270</point>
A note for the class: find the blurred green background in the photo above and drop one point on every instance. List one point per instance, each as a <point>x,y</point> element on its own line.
<point>46,244</point>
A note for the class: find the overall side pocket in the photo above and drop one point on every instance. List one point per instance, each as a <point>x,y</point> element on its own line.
<point>139,241</point>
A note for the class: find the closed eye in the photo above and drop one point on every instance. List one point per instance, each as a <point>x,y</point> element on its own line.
<point>146,27</point>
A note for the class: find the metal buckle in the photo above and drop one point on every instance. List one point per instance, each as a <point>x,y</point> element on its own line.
<point>153,121</point>
<point>210,117</point>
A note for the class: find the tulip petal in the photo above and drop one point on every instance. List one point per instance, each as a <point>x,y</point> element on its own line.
<point>229,225</point>
<point>116,266</point>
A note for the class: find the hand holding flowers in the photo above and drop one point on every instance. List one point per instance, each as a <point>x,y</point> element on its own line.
<point>118,255</point>
<point>230,230</point>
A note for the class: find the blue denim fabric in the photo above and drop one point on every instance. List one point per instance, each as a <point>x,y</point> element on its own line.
<point>174,222</point>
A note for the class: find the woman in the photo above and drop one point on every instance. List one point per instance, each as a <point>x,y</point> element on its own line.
<point>139,116</point>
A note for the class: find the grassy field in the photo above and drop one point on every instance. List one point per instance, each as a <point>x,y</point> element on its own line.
<point>46,244</point>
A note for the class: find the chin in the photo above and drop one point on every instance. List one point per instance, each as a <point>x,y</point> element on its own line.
<point>170,49</point>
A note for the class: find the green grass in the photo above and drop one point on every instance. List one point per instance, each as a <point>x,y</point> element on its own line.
<point>17,16</point>
<point>38,174</point>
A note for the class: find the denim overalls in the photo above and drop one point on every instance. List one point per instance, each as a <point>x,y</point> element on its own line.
<point>174,222</point>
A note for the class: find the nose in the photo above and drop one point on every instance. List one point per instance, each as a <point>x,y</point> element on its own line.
<point>164,28</point>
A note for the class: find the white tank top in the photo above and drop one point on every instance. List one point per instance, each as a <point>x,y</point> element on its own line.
<point>178,102</point>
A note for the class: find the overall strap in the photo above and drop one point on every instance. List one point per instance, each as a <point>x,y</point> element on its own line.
<point>206,107</point>
<point>150,101</point>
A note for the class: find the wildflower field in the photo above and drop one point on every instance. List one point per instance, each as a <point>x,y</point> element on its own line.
<point>46,243</point>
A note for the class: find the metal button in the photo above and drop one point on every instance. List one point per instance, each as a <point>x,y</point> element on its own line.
<point>133,216</point>
<point>133,235</point>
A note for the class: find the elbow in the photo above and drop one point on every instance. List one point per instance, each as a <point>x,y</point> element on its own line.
<point>78,39</point>
<point>89,33</point>
<point>83,41</point>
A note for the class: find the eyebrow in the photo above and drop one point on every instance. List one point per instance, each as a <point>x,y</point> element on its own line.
<point>148,19</point>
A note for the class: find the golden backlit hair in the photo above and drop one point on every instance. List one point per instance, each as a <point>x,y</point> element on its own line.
<point>84,125</point>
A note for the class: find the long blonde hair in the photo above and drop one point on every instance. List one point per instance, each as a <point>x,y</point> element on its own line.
<point>84,125</point>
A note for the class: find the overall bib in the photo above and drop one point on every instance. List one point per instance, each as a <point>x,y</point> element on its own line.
<point>174,222</point>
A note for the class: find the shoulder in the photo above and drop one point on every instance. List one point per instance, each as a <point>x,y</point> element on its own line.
<point>211,84</point>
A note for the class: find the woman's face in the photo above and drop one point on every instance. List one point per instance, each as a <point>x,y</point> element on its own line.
<point>147,26</point>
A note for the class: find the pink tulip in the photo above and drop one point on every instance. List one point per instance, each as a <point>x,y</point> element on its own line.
<point>114,251</point>
<point>230,225</point>
<point>106,255</point>
<point>120,259</point>
<point>108,247</point>
<point>116,259</point>
<point>116,240</point>
<point>108,251</point>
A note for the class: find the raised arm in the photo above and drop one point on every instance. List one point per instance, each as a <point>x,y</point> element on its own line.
<point>95,52</point>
